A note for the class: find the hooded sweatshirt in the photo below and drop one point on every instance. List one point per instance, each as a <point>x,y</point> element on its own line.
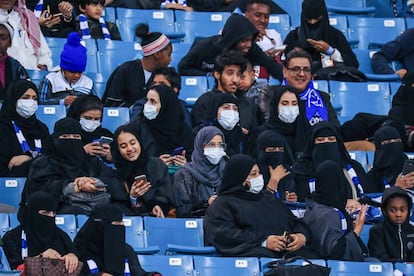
<point>391,242</point>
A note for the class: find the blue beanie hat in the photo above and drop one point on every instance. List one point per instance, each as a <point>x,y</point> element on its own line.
<point>73,56</point>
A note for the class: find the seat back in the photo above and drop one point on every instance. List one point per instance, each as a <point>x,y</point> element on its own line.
<point>80,221</point>
<point>113,117</point>
<point>179,51</point>
<point>50,114</point>
<point>342,268</point>
<point>134,231</point>
<point>192,87</point>
<point>4,223</point>
<point>360,156</point>
<point>293,8</point>
<point>350,7</point>
<point>11,190</point>
<point>281,23</point>
<point>406,269</point>
<point>67,223</point>
<point>167,265</point>
<point>364,235</point>
<point>229,266</point>
<point>36,76</point>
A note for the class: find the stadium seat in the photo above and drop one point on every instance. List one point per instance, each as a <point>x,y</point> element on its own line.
<point>394,86</point>
<point>409,21</point>
<point>80,221</point>
<point>14,222</point>
<point>406,269</point>
<point>354,96</point>
<point>67,223</point>
<point>112,53</point>
<point>4,265</point>
<point>176,235</point>
<point>364,58</point>
<point>136,236</point>
<point>350,7</point>
<point>192,87</point>
<point>361,157</point>
<point>113,117</point>
<point>229,266</point>
<point>199,24</point>
<point>339,22</point>
<point>179,51</point>
<point>167,265</point>
<point>321,85</point>
<point>342,268</point>
<point>11,190</point>
<point>50,114</point>
<point>293,8</point>
<point>281,23</point>
<point>364,235</point>
<point>265,261</point>
<point>99,83</point>
<point>370,158</point>
<point>109,14</point>
<point>4,223</point>
<point>36,76</point>
<point>372,33</point>
<point>158,21</point>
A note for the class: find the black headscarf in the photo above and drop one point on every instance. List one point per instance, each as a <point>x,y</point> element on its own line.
<point>83,104</point>
<point>169,128</point>
<point>102,241</point>
<point>41,231</point>
<point>235,173</point>
<point>296,132</point>
<point>389,158</point>
<point>234,136</point>
<point>328,185</point>
<point>403,101</point>
<point>127,170</point>
<point>31,127</point>
<point>69,152</point>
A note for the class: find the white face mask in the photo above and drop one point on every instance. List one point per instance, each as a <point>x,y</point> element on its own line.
<point>26,107</point>
<point>228,119</point>
<point>288,114</point>
<point>256,184</point>
<point>214,155</point>
<point>89,125</point>
<point>150,111</point>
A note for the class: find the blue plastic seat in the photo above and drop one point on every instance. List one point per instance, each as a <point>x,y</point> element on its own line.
<point>360,156</point>
<point>177,235</point>
<point>372,33</point>
<point>350,7</point>
<point>364,235</point>
<point>158,21</point>
<point>136,236</point>
<point>354,96</point>
<point>339,22</point>
<point>229,266</point>
<point>281,23</point>
<point>4,265</point>
<point>364,58</point>
<point>36,76</point>
<point>321,85</point>
<point>264,261</point>
<point>409,21</point>
<point>113,117</point>
<point>14,222</point>
<point>179,51</point>
<point>200,24</point>
<point>342,268</point>
<point>11,190</point>
<point>109,14</point>
<point>192,87</point>
<point>67,223</point>
<point>99,82</point>
<point>406,269</point>
<point>167,265</point>
<point>80,221</point>
<point>293,8</point>
<point>50,114</point>
<point>394,86</point>
<point>4,223</point>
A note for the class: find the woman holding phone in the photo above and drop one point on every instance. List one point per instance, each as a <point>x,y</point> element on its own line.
<point>146,178</point>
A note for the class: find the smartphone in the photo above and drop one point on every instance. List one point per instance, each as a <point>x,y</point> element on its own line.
<point>141,177</point>
<point>105,140</point>
<point>287,237</point>
<point>408,166</point>
<point>177,151</point>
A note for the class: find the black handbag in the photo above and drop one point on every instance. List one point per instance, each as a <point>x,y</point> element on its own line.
<point>40,266</point>
<point>283,268</point>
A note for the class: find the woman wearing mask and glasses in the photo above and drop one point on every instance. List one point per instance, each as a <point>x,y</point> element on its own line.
<point>197,183</point>
<point>246,220</point>
<point>23,137</point>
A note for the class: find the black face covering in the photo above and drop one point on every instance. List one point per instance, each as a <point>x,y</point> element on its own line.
<point>326,151</point>
<point>69,150</point>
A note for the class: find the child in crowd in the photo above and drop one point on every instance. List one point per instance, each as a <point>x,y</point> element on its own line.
<point>63,86</point>
<point>92,24</point>
<point>392,240</point>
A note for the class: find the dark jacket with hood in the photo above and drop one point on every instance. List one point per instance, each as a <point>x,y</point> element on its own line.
<point>392,242</point>
<point>200,59</point>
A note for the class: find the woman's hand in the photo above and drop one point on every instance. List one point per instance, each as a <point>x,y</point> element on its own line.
<point>51,254</point>
<point>298,240</point>
<point>93,148</point>
<point>106,152</point>
<point>276,243</point>
<point>71,262</point>
<point>276,175</point>
<point>211,199</point>
<point>166,159</point>
<point>292,197</point>
<point>179,160</point>
<point>139,188</point>
<point>65,8</point>
<point>86,184</point>
<point>157,211</point>
<point>48,20</point>
<point>319,45</point>
<point>360,220</point>
<point>405,181</point>
<point>18,160</point>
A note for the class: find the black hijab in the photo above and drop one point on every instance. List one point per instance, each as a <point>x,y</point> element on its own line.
<point>235,173</point>
<point>234,136</point>
<point>403,101</point>
<point>169,129</point>
<point>389,158</point>
<point>83,104</point>
<point>127,170</point>
<point>296,132</point>
<point>31,127</point>
<point>41,231</point>
<point>69,152</point>
<point>102,241</point>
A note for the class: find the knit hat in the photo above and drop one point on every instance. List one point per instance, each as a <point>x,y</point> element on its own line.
<point>9,28</point>
<point>73,56</point>
<point>151,43</point>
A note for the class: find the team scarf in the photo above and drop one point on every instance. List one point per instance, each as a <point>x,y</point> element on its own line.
<point>23,143</point>
<point>93,268</point>
<point>316,110</point>
<point>38,9</point>
<point>24,245</point>
<point>344,224</point>
<point>84,27</point>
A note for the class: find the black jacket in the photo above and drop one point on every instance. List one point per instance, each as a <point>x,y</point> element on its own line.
<point>14,71</point>
<point>200,59</point>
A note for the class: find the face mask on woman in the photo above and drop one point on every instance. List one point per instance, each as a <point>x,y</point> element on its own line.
<point>89,125</point>
<point>150,111</point>
<point>26,107</point>
<point>256,184</point>
<point>228,119</point>
<point>288,114</point>
<point>214,155</point>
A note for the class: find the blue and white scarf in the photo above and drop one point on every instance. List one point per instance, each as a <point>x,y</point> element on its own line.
<point>311,185</point>
<point>386,184</point>
<point>93,268</point>
<point>84,27</point>
<point>23,143</point>
<point>38,9</point>
<point>344,224</point>
<point>24,245</point>
<point>316,110</point>
<point>355,179</point>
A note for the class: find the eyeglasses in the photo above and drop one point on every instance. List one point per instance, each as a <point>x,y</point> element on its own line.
<point>298,69</point>
<point>215,145</point>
